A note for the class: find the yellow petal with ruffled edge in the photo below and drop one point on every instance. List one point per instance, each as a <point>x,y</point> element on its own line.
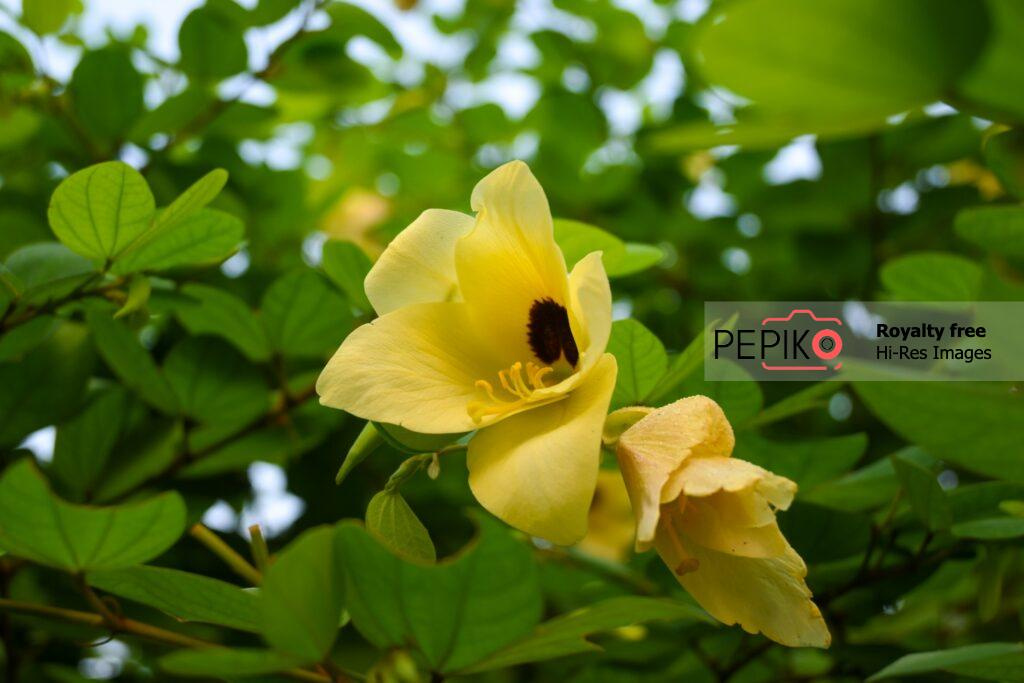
<point>652,453</point>
<point>510,260</point>
<point>418,266</point>
<point>762,595</point>
<point>537,470</point>
<point>590,309</point>
<point>414,367</point>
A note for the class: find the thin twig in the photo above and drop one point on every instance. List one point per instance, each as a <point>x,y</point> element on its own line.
<point>133,628</point>
<point>232,559</point>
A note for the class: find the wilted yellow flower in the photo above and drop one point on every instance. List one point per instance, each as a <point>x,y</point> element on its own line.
<point>481,327</point>
<point>711,517</point>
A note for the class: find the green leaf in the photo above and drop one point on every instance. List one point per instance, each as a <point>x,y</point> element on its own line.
<point>821,534</point>
<point>139,290</point>
<point>46,271</point>
<point>576,240</point>
<point>808,462</point>
<point>1004,154</point>
<point>810,398</point>
<point>214,383</point>
<point>84,443</point>
<point>149,450</point>
<point>208,310</point>
<point>865,489</point>
<point>931,277</point>
<point>198,195</point>
<point>994,87</point>
<point>971,424</point>
<point>204,237</point>
<point>100,210</point>
<point>19,341</point>
<point>567,634</point>
<point>642,361</point>
<point>40,527</point>
<point>988,661</point>
<point>47,16</point>
<point>927,499</point>
<point>455,612</point>
<point>107,93</point>
<point>304,315</point>
<point>392,522</point>
<point>408,441</point>
<point>683,367</point>
<point>347,265</point>
<point>996,228</point>
<point>123,352</point>
<point>220,662</point>
<point>302,597</point>
<point>834,60</point>
<point>47,385</point>
<point>211,43</point>
<point>184,596</point>
<point>994,529</point>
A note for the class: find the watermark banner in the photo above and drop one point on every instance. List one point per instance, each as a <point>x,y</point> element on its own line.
<point>864,341</point>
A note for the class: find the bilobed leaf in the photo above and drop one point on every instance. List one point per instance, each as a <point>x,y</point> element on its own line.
<point>973,424</point>
<point>213,382</point>
<point>184,596</point>
<point>996,228</point>
<point>931,277</point>
<point>576,240</point>
<point>148,450</point>
<point>100,210</point>
<point>84,443</point>
<point>40,527</point>
<point>455,612</point>
<point>15,343</point>
<point>107,93</point>
<point>995,86</point>
<point>834,60</point>
<point>347,265</point>
<point>808,462</point>
<point>203,237</point>
<point>46,386</point>
<point>988,661</point>
<point>992,529</point>
<point>211,43</point>
<point>209,310</point>
<point>304,315</point>
<point>45,271</point>
<point>123,352</point>
<point>642,361</point>
<point>302,596</point>
<point>222,662</point>
<point>927,499</point>
<point>822,534</point>
<point>198,195</point>
<point>392,522</point>
<point>567,634</point>
<point>864,489</point>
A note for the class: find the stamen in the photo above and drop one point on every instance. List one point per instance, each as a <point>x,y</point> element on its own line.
<point>520,390</point>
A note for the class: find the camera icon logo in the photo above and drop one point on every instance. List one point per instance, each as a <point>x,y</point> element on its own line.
<point>792,331</point>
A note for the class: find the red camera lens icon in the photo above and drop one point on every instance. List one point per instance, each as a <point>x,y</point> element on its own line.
<point>826,344</point>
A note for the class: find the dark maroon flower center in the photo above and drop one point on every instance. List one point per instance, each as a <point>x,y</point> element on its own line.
<point>549,333</point>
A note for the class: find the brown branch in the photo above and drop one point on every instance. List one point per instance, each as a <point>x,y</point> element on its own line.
<point>131,627</point>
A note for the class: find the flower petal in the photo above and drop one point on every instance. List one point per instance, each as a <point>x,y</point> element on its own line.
<point>414,367</point>
<point>418,266</point>
<point>537,470</point>
<point>510,260</point>
<point>766,595</point>
<point>652,452</point>
<point>590,306</point>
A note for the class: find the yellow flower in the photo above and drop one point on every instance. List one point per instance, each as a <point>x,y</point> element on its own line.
<point>610,522</point>
<point>711,517</point>
<point>482,328</point>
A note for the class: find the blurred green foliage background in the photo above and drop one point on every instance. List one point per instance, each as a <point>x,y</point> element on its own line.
<point>796,149</point>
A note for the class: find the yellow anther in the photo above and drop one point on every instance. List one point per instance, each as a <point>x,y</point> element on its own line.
<point>520,390</point>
